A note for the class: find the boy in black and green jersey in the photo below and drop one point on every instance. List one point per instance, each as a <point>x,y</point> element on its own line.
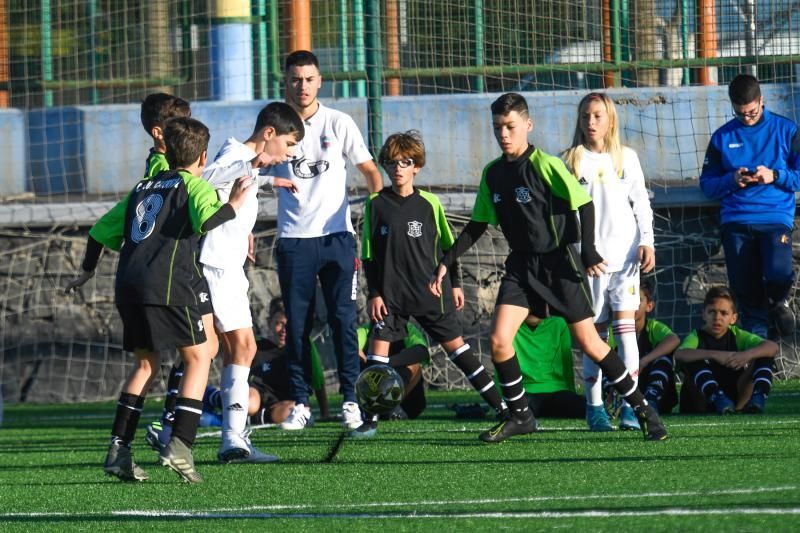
<point>406,356</point>
<point>164,217</point>
<point>533,198</point>
<point>656,343</point>
<point>726,368</point>
<point>544,350</point>
<point>405,232</point>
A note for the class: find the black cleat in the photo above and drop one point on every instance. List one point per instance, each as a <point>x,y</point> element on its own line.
<point>651,424</point>
<point>510,427</point>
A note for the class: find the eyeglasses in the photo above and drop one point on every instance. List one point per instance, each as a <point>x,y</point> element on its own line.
<point>747,114</point>
<point>402,163</point>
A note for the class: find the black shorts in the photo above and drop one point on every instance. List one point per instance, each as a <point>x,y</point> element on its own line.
<point>269,397</point>
<point>160,327</point>
<point>203,295</point>
<point>441,327</point>
<point>555,280</point>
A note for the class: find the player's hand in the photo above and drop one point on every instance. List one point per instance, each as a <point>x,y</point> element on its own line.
<point>738,361</point>
<point>263,160</point>
<point>763,175</point>
<point>435,283</point>
<point>744,177</point>
<point>376,309</point>
<point>458,298</point>
<point>239,191</point>
<point>647,258</point>
<point>284,184</point>
<point>79,281</point>
<point>251,248</point>
<point>595,271</point>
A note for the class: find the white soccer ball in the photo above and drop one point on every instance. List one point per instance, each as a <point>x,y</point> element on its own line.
<point>379,389</point>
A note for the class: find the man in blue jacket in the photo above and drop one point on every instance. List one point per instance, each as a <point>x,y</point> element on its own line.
<point>752,167</point>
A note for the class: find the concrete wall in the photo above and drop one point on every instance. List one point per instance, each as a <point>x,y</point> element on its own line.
<point>12,152</point>
<point>102,149</point>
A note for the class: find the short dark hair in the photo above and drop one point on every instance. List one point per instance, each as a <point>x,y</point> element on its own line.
<point>157,108</point>
<point>744,89</point>
<point>510,102</point>
<point>186,138</point>
<point>719,292</point>
<point>408,143</point>
<point>275,307</point>
<point>646,287</point>
<point>283,118</point>
<point>301,58</point>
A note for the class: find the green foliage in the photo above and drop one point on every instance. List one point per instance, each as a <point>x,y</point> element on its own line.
<point>726,473</point>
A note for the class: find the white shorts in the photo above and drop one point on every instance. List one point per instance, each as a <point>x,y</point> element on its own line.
<point>228,289</point>
<point>615,291</point>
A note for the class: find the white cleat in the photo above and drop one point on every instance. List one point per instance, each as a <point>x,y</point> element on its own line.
<point>233,448</point>
<point>299,418</point>
<point>351,415</point>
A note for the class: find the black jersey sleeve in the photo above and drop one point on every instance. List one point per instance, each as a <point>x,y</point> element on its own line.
<point>456,274</point>
<point>92,256</point>
<point>589,255</point>
<point>372,273</point>
<point>224,214</point>
<point>469,236</point>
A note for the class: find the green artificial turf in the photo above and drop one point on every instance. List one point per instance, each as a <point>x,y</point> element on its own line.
<point>738,473</point>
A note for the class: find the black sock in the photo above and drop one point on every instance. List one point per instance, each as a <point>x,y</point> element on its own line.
<point>261,417</point>
<point>510,377</point>
<point>703,378</point>
<point>618,376</point>
<point>187,416</point>
<point>657,377</point>
<point>173,384</point>
<point>477,375</point>
<point>762,375</point>
<point>129,409</point>
<point>409,356</point>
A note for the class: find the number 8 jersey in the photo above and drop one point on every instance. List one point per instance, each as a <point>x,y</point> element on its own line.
<point>158,226</point>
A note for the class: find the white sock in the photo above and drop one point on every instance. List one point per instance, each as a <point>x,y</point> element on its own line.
<point>625,335</point>
<point>592,382</point>
<point>235,398</point>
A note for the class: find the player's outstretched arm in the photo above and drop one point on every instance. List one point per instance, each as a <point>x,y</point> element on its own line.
<point>469,236</point>
<point>91,257</point>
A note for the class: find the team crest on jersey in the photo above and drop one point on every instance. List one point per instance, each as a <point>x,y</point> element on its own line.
<point>523,195</point>
<point>266,367</point>
<point>496,198</point>
<point>414,229</point>
<point>325,142</point>
<point>384,230</point>
<point>305,169</point>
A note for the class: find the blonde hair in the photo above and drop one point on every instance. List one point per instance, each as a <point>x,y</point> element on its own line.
<point>611,143</point>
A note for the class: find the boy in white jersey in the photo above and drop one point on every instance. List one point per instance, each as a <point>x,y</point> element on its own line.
<point>613,177</point>
<point>278,128</point>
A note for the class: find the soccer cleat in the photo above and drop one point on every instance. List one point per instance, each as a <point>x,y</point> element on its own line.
<point>254,456</point>
<point>119,463</point>
<point>397,414</point>
<point>158,435</point>
<point>756,404</point>
<point>351,415</point>
<point>783,318</point>
<point>233,448</point>
<point>722,404</point>
<point>597,418</point>
<point>651,424</point>
<point>510,427</point>
<point>299,418</point>
<point>366,430</point>
<point>178,457</point>
<point>627,418</point>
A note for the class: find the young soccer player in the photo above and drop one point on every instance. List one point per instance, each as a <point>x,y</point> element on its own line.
<point>157,108</point>
<point>612,176</point>
<point>726,368</point>
<point>404,234</point>
<point>544,349</point>
<point>164,217</point>
<point>406,357</point>
<point>533,198</point>
<point>277,130</point>
<point>656,343</point>
<point>270,399</point>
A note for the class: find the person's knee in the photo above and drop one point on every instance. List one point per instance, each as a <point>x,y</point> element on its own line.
<point>501,344</point>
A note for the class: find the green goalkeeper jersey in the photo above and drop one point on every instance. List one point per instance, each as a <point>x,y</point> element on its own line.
<point>545,356</point>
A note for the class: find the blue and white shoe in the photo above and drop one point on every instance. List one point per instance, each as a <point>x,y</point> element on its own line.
<point>627,419</point>
<point>756,404</point>
<point>366,430</point>
<point>210,420</point>
<point>597,418</point>
<point>722,404</point>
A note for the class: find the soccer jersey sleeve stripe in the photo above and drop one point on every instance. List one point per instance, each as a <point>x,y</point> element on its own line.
<point>561,181</point>
<point>366,230</point>
<point>203,200</point>
<point>445,234</point>
<point>691,342</point>
<point>744,339</point>
<point>109,230</point>
<point>484,210</point>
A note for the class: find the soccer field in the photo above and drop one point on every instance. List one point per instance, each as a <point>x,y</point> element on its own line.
<point>736,473</point>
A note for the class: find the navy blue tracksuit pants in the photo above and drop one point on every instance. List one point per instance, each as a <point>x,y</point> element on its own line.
<point>332,259</point>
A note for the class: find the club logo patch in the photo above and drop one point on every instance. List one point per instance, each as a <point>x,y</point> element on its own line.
<point>414,229</point>
<point>523,195</point>
<point>384,230</point>
<point>203,297</point>
<point>496,198</point>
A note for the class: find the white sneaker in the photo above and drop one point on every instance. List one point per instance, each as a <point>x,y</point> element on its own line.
<point>351,415</point>
<point>255,455</point>
<point>233,448</point>
<point>299,418</point>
